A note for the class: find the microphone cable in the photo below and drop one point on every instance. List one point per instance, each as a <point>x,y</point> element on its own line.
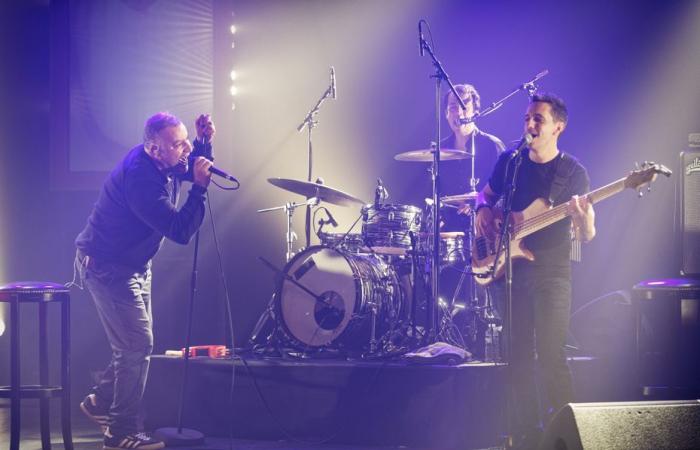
<point>229,316</point>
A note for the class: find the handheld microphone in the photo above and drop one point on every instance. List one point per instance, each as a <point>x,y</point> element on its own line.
<point>222,174</point>
<point>334,92</point>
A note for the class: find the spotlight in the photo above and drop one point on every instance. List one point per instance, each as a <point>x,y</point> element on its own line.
<point>233,75</point>
<point>232,28</point>
<point>2,327</point>
<point>233,90</point>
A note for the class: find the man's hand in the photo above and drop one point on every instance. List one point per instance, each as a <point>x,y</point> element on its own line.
<point>582,216</point>
<point>205,128</point>
<point>486,223</point>
<point>200,173</point>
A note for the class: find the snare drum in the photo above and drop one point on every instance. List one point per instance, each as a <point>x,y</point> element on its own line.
<point>333,308</point>
<point>452,247</point>
<point>385,228</point>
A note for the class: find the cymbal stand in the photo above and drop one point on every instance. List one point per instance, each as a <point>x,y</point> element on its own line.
<point>289,212</point>
<point>440,76</point>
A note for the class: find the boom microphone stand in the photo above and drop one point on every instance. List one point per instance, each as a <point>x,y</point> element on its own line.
<point>310,123</point>
<point>440,76</point>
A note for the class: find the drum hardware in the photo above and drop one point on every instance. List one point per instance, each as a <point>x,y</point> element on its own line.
<point>290,235</point>
<point>315,193</point>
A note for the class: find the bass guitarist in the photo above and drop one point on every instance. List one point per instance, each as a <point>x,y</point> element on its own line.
<point>541,289</point>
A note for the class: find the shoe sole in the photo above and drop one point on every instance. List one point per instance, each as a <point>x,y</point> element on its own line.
<point>156,446</point>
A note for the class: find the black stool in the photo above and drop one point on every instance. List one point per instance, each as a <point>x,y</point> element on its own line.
<point>41,293</point>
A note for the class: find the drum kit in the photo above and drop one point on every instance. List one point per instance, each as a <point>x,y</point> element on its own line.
<point>360,293</point>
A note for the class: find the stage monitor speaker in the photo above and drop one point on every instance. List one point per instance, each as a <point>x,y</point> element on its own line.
<point>690,212</point>
<point>624,426</point>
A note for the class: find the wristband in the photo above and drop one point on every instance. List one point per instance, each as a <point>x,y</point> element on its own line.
<point>482,205</point>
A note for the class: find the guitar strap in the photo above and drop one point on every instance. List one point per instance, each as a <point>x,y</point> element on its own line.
<point>562,174</point>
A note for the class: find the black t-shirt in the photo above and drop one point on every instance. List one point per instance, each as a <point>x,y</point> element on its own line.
<point>551,245</point>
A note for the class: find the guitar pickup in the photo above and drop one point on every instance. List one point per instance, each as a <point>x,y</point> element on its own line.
<point>482,247</point>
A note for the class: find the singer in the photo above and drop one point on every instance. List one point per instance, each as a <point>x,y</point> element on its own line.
<point>135,211</point>
<point>541,289</point>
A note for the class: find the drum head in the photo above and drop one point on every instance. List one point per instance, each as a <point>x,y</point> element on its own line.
<point>318,321</point>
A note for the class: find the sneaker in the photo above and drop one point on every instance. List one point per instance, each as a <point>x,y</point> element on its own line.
<point>140,441</point>
<point>98,415</point>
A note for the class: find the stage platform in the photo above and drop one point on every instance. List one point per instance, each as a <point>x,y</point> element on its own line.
<point>351,402</point>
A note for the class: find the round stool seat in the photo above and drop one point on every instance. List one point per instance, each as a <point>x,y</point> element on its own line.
<point>33,291</point>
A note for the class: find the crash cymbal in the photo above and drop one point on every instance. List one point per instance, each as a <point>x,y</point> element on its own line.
<point>459,199</point>
<point>426,155</point>
<point>310,189</point>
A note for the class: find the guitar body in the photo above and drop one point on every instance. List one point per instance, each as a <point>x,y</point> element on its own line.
<point>484,249</point>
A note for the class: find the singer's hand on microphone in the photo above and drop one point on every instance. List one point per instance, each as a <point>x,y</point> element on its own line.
<point>205,128</point>
<point>201,175</point>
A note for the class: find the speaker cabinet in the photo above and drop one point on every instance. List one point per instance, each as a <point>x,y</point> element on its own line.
<point>668,336</point>
<point>690,212</point>
<point>624,426</point>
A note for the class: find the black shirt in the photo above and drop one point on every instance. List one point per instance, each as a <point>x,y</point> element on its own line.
<point>455,174</point>
<point>136,209</point>
<point>551,245</point>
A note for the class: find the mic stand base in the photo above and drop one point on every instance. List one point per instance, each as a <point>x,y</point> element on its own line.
<point>174,437</point>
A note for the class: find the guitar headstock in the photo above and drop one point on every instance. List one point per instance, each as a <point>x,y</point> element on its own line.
<point>646,174</point>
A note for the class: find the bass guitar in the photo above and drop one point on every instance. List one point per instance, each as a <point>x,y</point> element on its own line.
<point>538,215</point>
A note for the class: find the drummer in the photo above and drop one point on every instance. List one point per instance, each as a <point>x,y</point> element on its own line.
<point>457,175</point>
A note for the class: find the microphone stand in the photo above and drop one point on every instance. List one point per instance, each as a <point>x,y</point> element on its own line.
<point>310,123</point>
<point>504,243</point>
<point>440,75</point>
<point>528,86</point>
<point>182,437</point>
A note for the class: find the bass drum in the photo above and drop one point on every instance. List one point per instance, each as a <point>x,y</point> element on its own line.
<point>331,306</point>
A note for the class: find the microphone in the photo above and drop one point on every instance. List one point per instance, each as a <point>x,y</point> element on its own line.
<point>331,219</point>
<point>421,50</point>
<point>222,174</point>
<point>524,142</point>
<point>334,92</point>
<point>380,193</point>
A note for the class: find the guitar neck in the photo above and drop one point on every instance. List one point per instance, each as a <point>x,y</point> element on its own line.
<point>536,223</point>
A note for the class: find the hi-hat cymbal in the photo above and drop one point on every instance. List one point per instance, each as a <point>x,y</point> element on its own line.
<point>426,155</point>
<point>309,189</point>
<point>459,199</point>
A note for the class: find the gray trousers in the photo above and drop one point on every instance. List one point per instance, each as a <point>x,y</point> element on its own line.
<point>123,301</point>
